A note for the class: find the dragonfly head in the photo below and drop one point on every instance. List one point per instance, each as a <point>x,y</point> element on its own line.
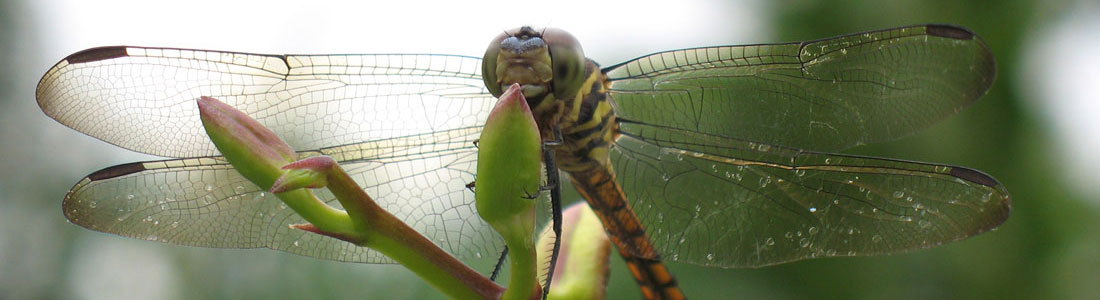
<point>542,62</point>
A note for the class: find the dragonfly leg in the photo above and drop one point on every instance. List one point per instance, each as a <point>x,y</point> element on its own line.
<point>500,263</point>
<point>554,183</point>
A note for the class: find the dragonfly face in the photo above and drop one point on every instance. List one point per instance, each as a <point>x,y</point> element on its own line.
<point>548,64</point>
<point>722,153</point>
<point>544,61</point>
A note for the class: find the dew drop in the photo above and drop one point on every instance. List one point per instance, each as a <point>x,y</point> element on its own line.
<point>799,172</point>
<point>765,181</point>
<point>804,242</point>
<point>175,224</point>
<point>208,188</point>
<point>478,254</point>
<point>710,256</point>
<point>813,209</point>
<point>813,230</point>
<point>131,197</point>
<point>899,194</point>
<point>876,238</point>
<point>924,224</point>
<point>769,241</point>
<point>683,239</point>
<point>295,243</point>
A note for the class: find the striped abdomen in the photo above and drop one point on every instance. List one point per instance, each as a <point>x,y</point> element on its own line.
<point>588,129</point>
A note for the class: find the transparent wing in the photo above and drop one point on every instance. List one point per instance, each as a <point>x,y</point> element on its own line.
<point>716,201</point>
<point>401,125</point>
<point>825,95</point>
<point>143,99</point>
<point>205,202</point>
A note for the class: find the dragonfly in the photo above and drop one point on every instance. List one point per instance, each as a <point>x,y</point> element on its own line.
<point>720,156</point>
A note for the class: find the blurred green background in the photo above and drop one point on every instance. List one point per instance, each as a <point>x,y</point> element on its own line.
<point>1022,133</point>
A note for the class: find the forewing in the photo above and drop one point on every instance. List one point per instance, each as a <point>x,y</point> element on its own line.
<point>825,95</point>
<point>143,99</point>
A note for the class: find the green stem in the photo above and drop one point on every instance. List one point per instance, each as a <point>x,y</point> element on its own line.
<point>392,237</point>
<point>316,212</point>
<point>522,285</point>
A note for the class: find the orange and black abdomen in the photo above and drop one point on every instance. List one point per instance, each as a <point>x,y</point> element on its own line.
<point>588,131</point>
<point>606,198</point>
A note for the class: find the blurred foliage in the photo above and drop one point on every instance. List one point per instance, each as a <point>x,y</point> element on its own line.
<point>1046,250</point>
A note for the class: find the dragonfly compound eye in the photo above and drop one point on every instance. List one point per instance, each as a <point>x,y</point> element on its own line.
<point>568,61</point>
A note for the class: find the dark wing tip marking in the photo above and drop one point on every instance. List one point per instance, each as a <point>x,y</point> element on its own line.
<point>96,54</point>
<point>949,31</point>
<point>974,176</point>
<point>116,171</point>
